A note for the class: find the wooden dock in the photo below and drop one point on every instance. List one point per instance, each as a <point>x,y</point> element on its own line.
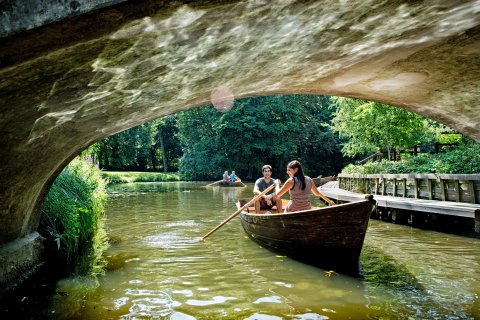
<point>448,208</point>
<point>441,187</point>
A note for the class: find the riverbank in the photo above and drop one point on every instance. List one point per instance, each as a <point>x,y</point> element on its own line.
<point>117,177</point>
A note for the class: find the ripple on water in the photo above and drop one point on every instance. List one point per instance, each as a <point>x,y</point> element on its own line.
<point>283,284</point>
<point>151,303</point>
<point>260,316</point>
<point>181,316</point>
<point>184,223</point>
<point>170,240</point>
<point>310,316</point>
<point>186,293</point>
<point>118,303</point>
<point>215,300</point>
<point>271,299</point>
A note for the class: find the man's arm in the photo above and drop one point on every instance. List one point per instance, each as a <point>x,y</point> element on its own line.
<point>256,189</point>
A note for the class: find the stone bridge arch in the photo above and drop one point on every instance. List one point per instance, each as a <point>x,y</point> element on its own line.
<point>70,76</point>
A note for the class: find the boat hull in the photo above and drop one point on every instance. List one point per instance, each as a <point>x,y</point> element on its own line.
<point>231,184</point>
<point>329,237</point>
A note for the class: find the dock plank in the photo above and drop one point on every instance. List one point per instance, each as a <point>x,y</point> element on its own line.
<point>459,209</point>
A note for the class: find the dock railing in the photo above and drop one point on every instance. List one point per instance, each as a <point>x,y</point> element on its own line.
<point>441,187</point>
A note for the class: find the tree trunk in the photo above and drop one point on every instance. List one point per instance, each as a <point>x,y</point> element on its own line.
<point>164,156</point>
<point>152,156</point>
<point>388,151</point>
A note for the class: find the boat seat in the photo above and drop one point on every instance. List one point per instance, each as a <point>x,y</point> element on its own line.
<point>252,210</point>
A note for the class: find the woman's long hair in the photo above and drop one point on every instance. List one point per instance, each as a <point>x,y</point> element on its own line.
<point>296,164</point>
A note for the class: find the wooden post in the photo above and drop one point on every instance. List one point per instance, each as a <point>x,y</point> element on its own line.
<point>429,189</point>
<point>443,190</point>
<point>477,222</point>
<point>404,193</point>
<point>415,185</point>
<point>457,191</point>
<point>394,187</point>
<point>436,148</point>
<point>384,186</point>
<point>471,190</point>
<point>415,150</point>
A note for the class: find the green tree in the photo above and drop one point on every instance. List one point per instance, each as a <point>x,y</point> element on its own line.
<point>317,146</point>
<point>370,126</point>
<point>274,130</point>
<point>195,133</point>
<point>166,145</point>
<point>142,147</point>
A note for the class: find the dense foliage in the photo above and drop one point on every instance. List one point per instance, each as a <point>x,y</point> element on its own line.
<point>202,143</point>
<point>72,215</point>
<point>256,131</point>
<point>462,160</point>
<point>370,126</point>
<point>150,146</point>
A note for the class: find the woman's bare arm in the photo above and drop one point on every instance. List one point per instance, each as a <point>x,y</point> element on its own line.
<point>286,186</point>
<point>315,190</point>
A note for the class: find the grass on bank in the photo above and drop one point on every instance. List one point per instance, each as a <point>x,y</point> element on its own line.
<point>116,177</point>
<point>73,216</point>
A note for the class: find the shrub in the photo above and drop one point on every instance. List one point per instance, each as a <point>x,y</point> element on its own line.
<point>462,160</point>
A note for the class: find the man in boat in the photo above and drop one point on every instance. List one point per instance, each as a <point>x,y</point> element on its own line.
<point>234,178</point>
<point>268,201</point>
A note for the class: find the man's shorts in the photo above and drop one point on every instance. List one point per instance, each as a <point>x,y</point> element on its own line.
<point>264,204</point>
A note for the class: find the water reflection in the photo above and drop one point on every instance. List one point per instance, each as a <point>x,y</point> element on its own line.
<point>230,195</point>
<point>159,268</point>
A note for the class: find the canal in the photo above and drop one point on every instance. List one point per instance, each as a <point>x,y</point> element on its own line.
<point>158,268</point>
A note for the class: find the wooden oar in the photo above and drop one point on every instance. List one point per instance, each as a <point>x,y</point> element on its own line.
<point>233,215</point>
<point>211,184</point>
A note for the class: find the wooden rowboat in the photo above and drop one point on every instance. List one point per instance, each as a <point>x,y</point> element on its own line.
<point>231,184</point>
<point>328,237</point>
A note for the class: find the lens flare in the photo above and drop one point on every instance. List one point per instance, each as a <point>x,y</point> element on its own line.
<point>222,98</point>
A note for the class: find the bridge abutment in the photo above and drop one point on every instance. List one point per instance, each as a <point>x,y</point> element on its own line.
<point>19,260</point>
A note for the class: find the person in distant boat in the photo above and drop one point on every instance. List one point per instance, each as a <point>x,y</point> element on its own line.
<point>299,186</point>
<point>268,201</point>
<point>233,177</point>
<point>226,177</point>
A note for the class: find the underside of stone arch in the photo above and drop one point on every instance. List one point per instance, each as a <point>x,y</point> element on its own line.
<point>82,73</point>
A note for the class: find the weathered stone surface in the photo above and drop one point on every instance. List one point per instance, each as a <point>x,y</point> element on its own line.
<point>66,85</point>
<point>22,15</point>
<point>18,260</point>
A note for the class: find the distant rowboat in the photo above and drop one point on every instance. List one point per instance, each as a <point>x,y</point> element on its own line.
<point>222,183</point>
<point>329,237</point>
<point>231,184</point>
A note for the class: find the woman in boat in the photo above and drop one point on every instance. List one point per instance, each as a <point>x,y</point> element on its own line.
<point>299,186</point>
<point>226,177</point>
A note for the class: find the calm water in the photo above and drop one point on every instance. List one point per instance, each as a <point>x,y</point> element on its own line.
<point>159,268</point>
